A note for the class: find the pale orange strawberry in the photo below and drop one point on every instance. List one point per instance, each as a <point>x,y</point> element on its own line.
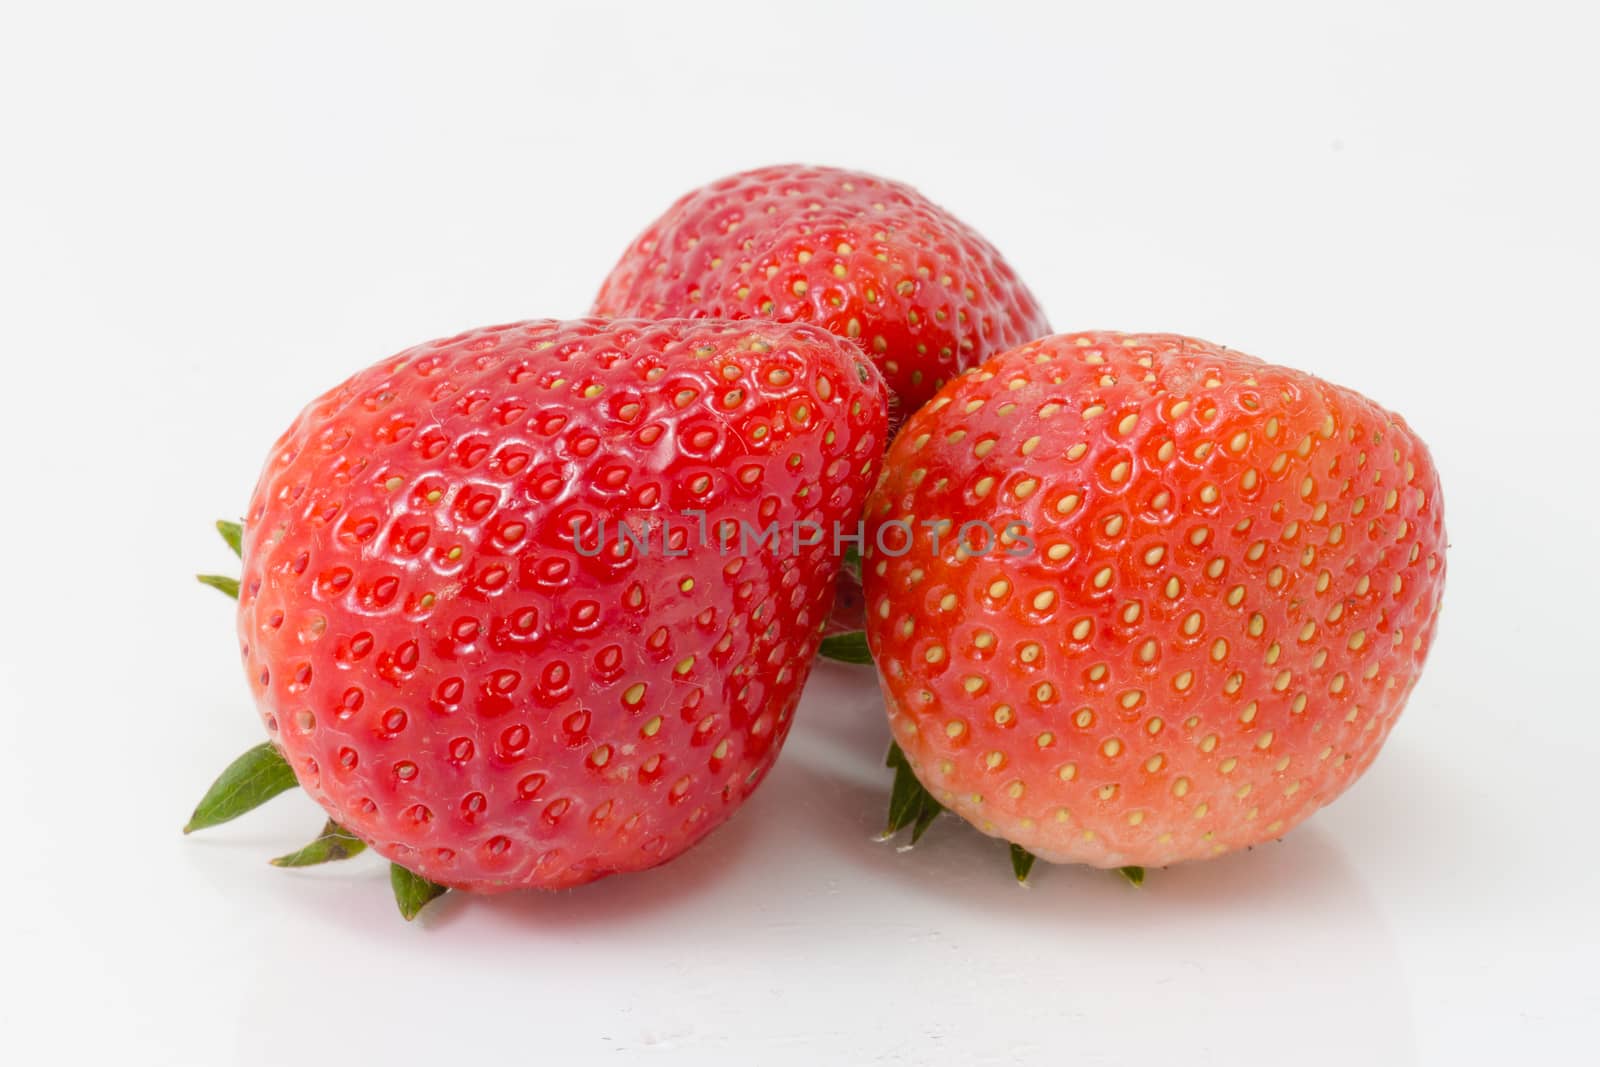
<point>1212,586</point>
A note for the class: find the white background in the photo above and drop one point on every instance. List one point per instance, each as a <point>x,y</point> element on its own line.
<point>210,215</point>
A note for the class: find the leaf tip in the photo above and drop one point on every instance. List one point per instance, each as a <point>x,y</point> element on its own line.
<point>1021,863</point>
<point>221,583</point>
<point>257,776</point>
<point>412,892</point>
<point>232,534</point>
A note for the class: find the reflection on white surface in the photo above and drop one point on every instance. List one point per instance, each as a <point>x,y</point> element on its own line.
<point>795,930</point>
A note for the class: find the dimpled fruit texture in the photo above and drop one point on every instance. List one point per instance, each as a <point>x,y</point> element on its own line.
<point>1225,592</point>
<point>864,257</point>
<point>493,704</point>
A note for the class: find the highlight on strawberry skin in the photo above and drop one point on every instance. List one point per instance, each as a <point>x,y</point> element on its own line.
<point>873,260</point>
<point>457,652</point>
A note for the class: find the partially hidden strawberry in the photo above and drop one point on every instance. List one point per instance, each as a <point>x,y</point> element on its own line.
<point>867,258</point>
<point>526,607</point>
<point>1179,597</point>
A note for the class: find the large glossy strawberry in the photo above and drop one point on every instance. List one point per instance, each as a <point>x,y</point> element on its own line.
<point>527,607</point>
<point>865,257</point>
<point>1178,599</point>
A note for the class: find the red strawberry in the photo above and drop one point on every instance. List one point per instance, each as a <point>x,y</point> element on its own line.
<point>492,705</point>
<point>862,256</point>
<point>1211,585</point>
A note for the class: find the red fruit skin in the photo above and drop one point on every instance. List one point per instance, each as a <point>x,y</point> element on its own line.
<point>459,685</point>
<point>1233,583</point>
<point>864,257</point>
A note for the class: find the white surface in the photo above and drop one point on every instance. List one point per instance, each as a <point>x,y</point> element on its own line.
<point>207,217</point>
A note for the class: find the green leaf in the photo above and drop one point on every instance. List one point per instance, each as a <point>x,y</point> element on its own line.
<point>249,782</point>
<point>1021,862</point>
<point>1134,875</point>
<point>909,803</point>
<point>903,800</point>
<point>333,843</point>
<point>849,647</point>
<point>412,891</point>
<point>230,586</point>
<point>928,812</point>
<point>232,533</point>
<point>851,561</point>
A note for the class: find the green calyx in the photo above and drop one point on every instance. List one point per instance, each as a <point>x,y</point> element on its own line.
<point>222,583</point>
<point>1021,863</point>
<point>262,773</point>
<point>849,647</point>
<point>247,783</point>
<point>412,892</point>
<point>332,844</point>
<point>910,804</point>
<point>233,536</point>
